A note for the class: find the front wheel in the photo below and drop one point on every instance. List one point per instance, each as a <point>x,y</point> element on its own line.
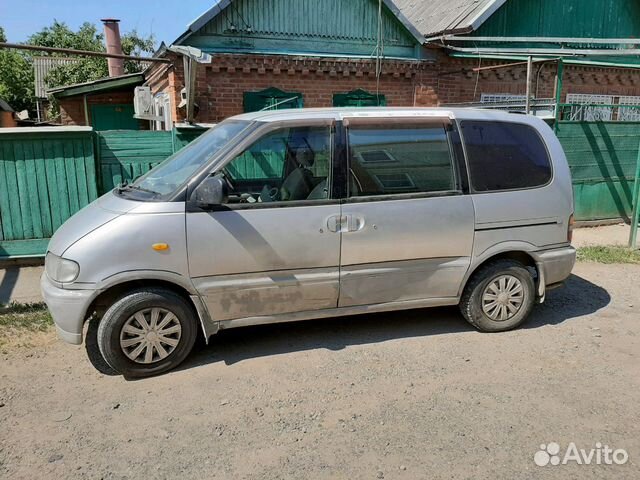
<point>499,296</point>
<point>147,332</point>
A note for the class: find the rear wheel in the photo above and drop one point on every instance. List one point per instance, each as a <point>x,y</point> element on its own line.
<point>147,332</point>
<point>499,296</point>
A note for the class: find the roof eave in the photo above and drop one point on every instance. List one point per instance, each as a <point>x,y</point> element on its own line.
<point>484,14</point>
<point>421,39</point>
<point>97,86</point>
<point>460,25</point>
<point>202,20</point>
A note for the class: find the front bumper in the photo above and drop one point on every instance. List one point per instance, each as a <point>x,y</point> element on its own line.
<point>68,309</point>
<point>557,263</point>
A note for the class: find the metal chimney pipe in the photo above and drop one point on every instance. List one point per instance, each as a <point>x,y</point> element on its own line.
<point>114,45</point>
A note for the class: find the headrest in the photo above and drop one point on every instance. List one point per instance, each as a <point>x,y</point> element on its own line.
<point>305,156</point>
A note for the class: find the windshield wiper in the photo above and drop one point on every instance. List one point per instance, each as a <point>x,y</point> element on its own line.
<point>125,187</point>
<point>122,186</point>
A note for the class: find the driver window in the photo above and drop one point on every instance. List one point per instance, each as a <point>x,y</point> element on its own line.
<point>286,165</point>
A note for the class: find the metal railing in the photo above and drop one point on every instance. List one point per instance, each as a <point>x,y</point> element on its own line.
<point>597,112</point>
<point>543,107</point>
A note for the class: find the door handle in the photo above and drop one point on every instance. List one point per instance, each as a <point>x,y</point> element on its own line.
<point>355,223</point>
<point>335,223</point>
<point>345,223</point>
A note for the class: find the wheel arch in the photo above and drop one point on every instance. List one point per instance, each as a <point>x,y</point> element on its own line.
<point>518,251</point>
<point>117,288</point>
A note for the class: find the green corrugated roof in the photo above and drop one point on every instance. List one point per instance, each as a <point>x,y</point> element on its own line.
<point>96,86</point>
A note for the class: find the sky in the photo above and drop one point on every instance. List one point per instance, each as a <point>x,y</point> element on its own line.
<point>165,19</point>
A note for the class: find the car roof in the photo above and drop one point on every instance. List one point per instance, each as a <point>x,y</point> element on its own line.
<point>384,112</point>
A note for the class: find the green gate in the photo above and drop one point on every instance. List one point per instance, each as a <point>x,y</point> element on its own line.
<point>114,117</point>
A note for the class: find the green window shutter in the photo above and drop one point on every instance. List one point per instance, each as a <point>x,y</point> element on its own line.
<point>359,98</point>
<point>271,99</point>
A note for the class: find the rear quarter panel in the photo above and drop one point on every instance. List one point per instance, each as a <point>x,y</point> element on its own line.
<point>538,216</point>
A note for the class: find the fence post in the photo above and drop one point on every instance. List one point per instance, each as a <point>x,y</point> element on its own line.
<point>635,215</point>
<point>558,93</point>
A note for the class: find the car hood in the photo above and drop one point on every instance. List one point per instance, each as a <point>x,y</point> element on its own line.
<point>93,216</point>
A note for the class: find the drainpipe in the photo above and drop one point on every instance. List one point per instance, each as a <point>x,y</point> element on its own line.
<point>191,57</point>
<point>114,45</point>
<point>86,110</point>
<point>558,93</point>
<point>528,101</point>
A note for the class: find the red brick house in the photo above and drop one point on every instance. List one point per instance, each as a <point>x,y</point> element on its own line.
<point>295,54</point>
<point>244,55</point>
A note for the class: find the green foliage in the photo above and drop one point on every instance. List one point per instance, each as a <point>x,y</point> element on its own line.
<point>16,78</point>
<point>608,254</point>
<point>87,38</point>
<point>18,320</point>
<point>17,82</point>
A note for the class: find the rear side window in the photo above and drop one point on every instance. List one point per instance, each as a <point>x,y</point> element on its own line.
<point>505,156</point>
<point>400,159</point>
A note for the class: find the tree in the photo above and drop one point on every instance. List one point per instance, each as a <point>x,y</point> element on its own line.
<point>87,38</point>
<point>16,78</point>
<point>16,67</point>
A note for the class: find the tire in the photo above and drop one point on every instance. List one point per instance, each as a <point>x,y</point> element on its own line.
<point>138,311</point>
<point>488,315</point>
<point>93,350</point>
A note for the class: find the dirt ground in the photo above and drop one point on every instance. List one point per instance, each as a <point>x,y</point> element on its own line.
<point>616,235</point>
<point>407,395</point>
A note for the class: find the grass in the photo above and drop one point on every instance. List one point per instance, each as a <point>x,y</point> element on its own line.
<point>608,254</point>
<point>17,321</point>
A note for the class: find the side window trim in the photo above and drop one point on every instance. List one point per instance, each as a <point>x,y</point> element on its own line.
<point>459,157</point>
<point>472,190</point>
<point>339,172</point>
<point>348,198</point>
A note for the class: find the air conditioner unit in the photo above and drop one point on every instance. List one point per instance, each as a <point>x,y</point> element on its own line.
<point>144,105</point>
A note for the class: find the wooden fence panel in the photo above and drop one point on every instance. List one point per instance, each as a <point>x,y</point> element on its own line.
<point>127,154</point>
<point>46,175</point>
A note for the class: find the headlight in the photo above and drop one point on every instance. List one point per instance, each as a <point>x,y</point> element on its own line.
<point>60,269</point>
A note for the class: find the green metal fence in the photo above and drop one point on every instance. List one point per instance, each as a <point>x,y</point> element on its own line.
<point>46,175</point>
<point>602,157</point>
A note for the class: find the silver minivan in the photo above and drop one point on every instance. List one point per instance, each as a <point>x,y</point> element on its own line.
<point>298,214</point>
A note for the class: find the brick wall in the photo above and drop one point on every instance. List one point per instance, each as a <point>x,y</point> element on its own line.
<point>72,108</point>
<point>7,120</point>
<point>220,85</point>
<point>458,83</point>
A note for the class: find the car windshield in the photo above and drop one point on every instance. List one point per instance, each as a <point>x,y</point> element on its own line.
<point>164,179</point>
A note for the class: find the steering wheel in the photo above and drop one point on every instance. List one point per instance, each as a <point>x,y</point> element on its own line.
<point>269,194</point>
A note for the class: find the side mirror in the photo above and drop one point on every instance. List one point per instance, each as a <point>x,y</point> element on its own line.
<point>213,191</point>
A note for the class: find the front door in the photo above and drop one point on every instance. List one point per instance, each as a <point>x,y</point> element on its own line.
<point>407,229</point>
<point>268,250</point>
